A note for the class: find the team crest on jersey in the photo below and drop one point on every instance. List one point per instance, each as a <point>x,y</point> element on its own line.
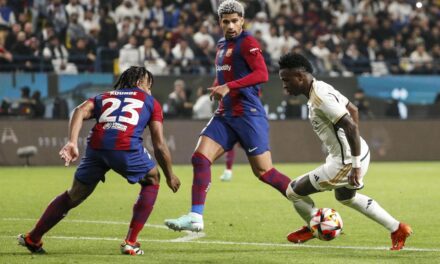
<point>229,52</point>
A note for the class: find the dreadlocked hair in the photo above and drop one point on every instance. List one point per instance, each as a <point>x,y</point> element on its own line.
<point>130,77</point>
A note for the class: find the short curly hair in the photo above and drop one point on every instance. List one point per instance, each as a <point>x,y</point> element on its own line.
<point>230,7</point>
<point>295,61</point>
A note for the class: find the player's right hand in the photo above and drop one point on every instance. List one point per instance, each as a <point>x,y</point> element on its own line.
<point>173,182</point>
<point>69,153</point>
<point>354,178</point>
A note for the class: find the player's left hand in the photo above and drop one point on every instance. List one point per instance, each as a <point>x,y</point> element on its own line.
<point>218,92</point>
<point>173,182</point>
<point>354,178</point>
<point>69,153</point>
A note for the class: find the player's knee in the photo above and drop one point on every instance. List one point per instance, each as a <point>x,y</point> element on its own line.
<point>199,160</point>
<point>345,196</point>
<point>152,178</point>
<point>76,198</point>
<point>293,192</point>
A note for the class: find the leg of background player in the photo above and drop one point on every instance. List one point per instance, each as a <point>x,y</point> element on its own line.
<point>227,174</point>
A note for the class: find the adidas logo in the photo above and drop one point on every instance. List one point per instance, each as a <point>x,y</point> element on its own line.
<point>316,177</point>
<point>370,201</point>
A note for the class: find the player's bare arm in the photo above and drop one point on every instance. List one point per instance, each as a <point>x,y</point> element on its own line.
<point>353,110</point>
<point>162,154</point>
<point>69,152</point>
<point>353,137</point>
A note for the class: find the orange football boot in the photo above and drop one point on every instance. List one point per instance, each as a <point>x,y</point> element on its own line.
<point>399,236</point>
<point>301,235</point>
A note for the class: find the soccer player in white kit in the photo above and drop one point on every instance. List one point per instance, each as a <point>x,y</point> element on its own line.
<point>335,120</point>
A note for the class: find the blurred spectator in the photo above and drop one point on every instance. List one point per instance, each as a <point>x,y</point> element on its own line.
<point>166,53</point>
<point>260,23</point>
<point>107,56</point>
<point>355,61</point>
<point>124,10</point>
<point>91,22</point>
<point>178,104</point>
<point>143,11</point>
<point>157,13</point>
<point>361,102</point>
<point>108,31</point>
<point>74,7</point>
<point>82,56</point>
<point>129,55</point>
<point>183,57</point>
<point>22,54</point>
<point>203,36</point>
<point>390,56</point>
<point>60,108</point>
<point>75,31</point>
<point>24,105</point>
<point>322,54</point>
<point>422,60</point>
<point>58,55</point>
<point>38,107</point>
<point>125,29</point>
<point>7,17</point>
<point>57,14</point>
<point>202,108</point>
<point>151,58</point>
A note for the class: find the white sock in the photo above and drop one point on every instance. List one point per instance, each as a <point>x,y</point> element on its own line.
<point>304,205</point>
<point>372,210</point>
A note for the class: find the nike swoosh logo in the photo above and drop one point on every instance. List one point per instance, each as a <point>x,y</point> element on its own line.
<point>251,150</point>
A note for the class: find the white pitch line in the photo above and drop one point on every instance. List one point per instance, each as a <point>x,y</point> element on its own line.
<point>188,237</point>
<point>191,236</point>
<point>240,243</point>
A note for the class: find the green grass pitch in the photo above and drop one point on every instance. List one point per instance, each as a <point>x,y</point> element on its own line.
<point>246,221</point>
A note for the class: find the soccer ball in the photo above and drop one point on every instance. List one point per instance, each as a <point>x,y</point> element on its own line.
<point>326,224</point>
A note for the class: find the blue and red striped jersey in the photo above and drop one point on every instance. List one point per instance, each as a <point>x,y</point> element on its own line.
<point>240,64</point>
<point>121,117</point>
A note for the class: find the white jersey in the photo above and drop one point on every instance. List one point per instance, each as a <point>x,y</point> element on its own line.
<point>326,107</point>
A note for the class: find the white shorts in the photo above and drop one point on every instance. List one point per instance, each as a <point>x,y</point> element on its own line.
<point>333,174</point>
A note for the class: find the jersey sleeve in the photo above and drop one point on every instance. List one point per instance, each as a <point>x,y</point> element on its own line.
<point>251,52</point>
<point>334,106</point>
<point>157,114</point>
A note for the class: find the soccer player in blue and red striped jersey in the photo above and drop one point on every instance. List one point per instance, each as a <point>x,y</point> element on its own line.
<point>240,116</point>
<point>115,142</point>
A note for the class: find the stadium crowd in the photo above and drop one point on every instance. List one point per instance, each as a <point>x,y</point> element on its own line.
<point>340,37</point>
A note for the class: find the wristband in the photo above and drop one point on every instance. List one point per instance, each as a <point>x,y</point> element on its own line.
<point>355,161</point>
